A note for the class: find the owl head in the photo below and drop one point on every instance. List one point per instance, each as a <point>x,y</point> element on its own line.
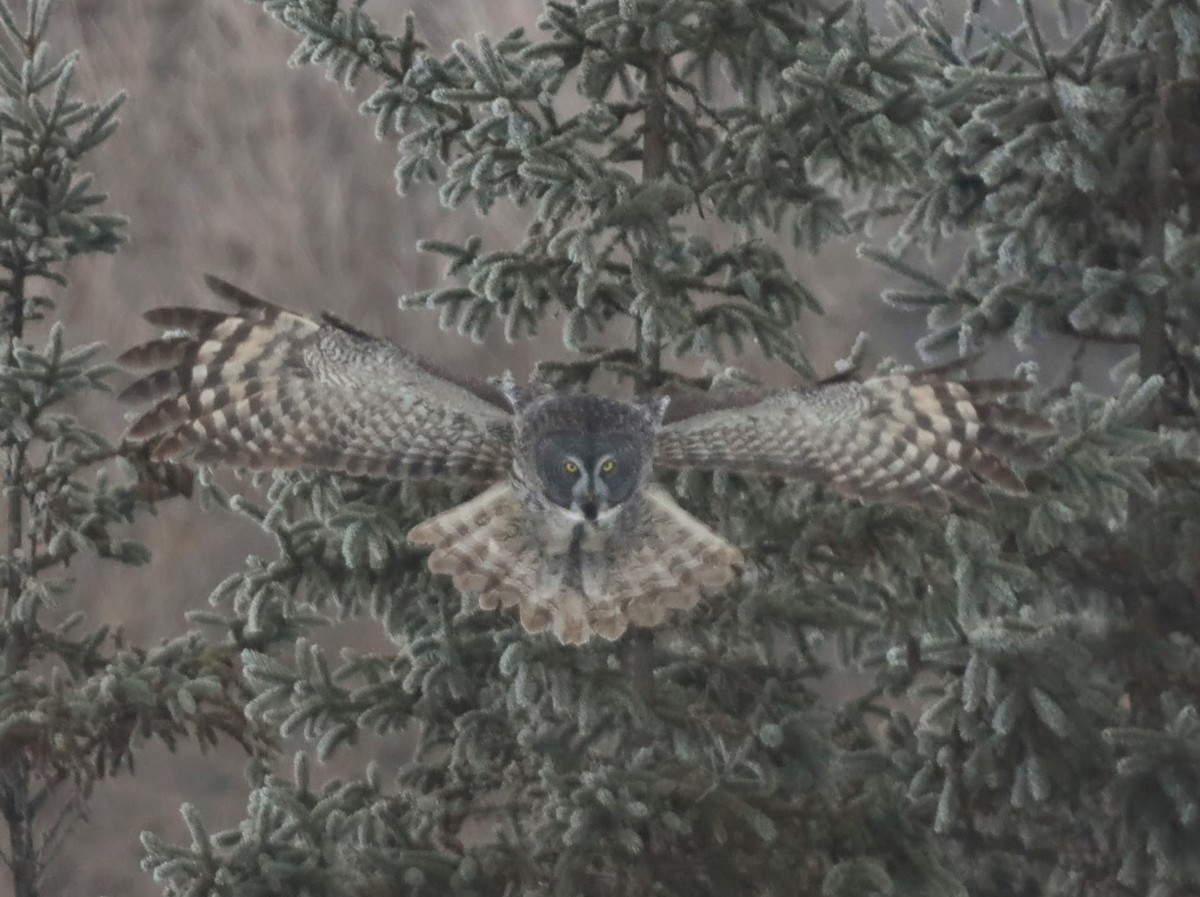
<point>587,454</point>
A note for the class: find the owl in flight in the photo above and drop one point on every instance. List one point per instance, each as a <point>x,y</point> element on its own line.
<point>570,530</point>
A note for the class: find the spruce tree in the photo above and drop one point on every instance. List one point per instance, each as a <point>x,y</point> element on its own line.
<point>1027,723</point>
<point>1060,742</point>
<point>76,701</point>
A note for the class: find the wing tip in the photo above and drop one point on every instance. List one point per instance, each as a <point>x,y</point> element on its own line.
<point>246,301</point>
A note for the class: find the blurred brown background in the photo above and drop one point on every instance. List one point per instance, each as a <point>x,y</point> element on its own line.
<point>227,161</point>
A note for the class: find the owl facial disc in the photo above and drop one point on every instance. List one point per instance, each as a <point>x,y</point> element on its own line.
<point>588,475</point>
<point>590,496</point>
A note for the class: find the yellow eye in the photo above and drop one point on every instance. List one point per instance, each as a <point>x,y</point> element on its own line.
<point>571,467</point>
<point>608,466</point>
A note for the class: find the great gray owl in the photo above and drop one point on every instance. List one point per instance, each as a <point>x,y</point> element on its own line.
<point>571,530</point>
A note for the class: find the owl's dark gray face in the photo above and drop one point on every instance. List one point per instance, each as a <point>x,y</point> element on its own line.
<point>588,473</point>
<point>586,454</point>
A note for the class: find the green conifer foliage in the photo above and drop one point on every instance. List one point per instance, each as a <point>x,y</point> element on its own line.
<point>1065,149</point>
<point>76,701</point>
<point>1028,723</point>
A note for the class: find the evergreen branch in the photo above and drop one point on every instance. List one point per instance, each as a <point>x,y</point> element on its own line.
<point>968,31</point>
<point>648,347</point>
<point>1153,345</point>
<point>1091,335</point>
<point>984,842</point>
<point>1035,37</point>
<point>95,726</point>
<point>1011,42</point>
<point>14,326</point>
<point>654,166</point>
<point>15,804</point>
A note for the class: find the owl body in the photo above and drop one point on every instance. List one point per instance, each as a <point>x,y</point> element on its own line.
<point>569,529</point>
<point>584,549</point>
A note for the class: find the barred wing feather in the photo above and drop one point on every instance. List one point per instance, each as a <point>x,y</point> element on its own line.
<point>909,439</point>
<point>264,387</point>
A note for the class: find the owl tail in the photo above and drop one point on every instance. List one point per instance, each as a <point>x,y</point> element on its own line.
<point>480,545</point>
<point>675,561</point>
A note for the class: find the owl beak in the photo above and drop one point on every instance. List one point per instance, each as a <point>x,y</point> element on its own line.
<point>590,507</point>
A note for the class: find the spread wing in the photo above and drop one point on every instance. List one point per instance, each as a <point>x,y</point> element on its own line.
<point>263,387</point>
<point>912,439</point>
